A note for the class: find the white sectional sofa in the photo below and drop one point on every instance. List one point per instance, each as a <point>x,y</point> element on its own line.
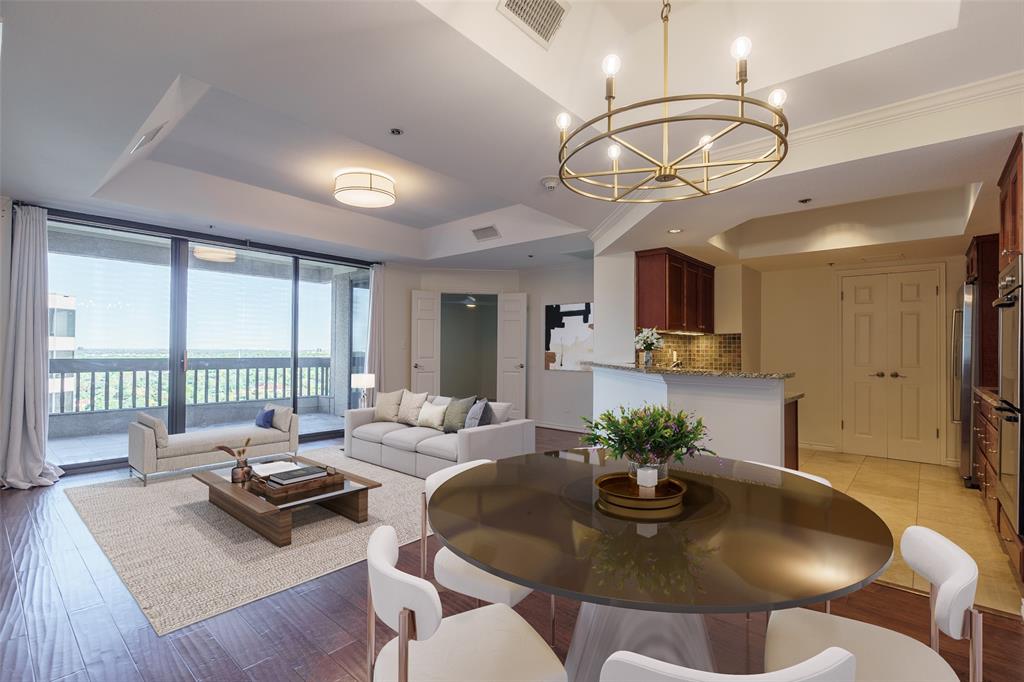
<point>420,451</point>
<point>199,448</point>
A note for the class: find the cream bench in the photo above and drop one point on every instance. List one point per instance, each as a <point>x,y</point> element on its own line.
<point>199,448</point>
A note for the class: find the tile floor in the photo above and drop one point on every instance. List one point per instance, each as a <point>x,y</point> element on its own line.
<point>908,493</point>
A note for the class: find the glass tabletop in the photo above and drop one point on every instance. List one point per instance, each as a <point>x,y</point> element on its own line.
<point>749,538</point>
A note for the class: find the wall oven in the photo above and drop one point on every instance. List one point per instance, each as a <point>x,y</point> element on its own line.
<point>1009,408</point>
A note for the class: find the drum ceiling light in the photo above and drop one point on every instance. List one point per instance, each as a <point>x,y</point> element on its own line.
<point>364,188</point>
<point>683,166</point>
<point>214,254</point>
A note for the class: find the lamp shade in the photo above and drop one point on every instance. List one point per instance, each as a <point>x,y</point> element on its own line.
<point>364,188</point>
<point>363,380</point>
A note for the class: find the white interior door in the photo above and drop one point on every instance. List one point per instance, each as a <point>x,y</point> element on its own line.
<point>512,352</point>
<point>890,382</point>
<point>913,382</point>
<point>425,354</point>
<point>864,364</point>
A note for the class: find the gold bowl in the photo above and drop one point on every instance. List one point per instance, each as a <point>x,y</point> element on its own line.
<point>620,496</point>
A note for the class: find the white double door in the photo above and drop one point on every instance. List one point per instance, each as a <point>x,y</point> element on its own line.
<point>890,365</point>
<point>425,356</point>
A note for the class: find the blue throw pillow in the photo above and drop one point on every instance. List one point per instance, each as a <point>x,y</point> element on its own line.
<point>265,419</point>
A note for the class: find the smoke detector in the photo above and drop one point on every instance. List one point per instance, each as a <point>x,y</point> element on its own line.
<point>549,182</point>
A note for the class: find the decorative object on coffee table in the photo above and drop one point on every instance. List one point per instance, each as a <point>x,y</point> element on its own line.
<point>648,340</point>
<point>269,513</point>
<point>241,472</point>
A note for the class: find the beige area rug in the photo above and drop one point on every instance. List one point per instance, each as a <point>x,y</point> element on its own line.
<point>185,560</point>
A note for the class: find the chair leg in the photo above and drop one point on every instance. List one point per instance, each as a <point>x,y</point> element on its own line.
<point>423,535</point>
<point>371,623</point>
<point>551,624</point>
<point>406,632</point>
<point>976,656</point>
<point>828,606</point>
<point>933,627</point>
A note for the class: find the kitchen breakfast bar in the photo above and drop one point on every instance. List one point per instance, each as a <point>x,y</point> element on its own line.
<point>748,414</point>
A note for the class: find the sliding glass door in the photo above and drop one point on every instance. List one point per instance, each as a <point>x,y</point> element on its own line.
<point>109,318</point>
<point>199,335</point>
<point>238,354</point>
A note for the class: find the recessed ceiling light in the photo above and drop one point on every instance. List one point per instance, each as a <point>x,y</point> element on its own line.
<point>214,254</point>
<point>364,188</point>
<point>529,255</point>
<point>804,201</point>
<point>396,131</point>
<point>674,230</point>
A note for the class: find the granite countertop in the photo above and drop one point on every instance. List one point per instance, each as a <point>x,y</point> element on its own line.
<point>791,397</point>
<point>683,371</point>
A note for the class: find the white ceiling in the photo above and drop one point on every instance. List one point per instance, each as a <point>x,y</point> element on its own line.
<point>284,93</point>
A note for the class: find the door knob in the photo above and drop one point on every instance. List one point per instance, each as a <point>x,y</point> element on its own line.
<point>897,375</point>
<point>521,365</point>
<point>415,365</point>
<point>878,374</point>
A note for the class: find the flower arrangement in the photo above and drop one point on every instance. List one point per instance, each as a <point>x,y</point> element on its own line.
<point>651,435</point>
<point>241,472</point>
<point>648,340</point>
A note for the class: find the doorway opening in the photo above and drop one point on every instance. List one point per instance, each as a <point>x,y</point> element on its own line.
<point>469,345</point>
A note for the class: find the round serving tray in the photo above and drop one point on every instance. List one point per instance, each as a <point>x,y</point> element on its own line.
<point>620,496</point>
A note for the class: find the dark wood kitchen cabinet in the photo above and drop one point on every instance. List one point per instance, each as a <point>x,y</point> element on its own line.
<point>674,292</point>
<point>1011,206</point>
<point>983,271</point>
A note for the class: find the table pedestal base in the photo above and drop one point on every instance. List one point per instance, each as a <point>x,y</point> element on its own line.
<point>679,638</point>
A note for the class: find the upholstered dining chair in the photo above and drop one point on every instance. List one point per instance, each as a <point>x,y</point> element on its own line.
<point>831,665</point>
<point>884,654</point>
<point>489,643</point>
<point>459,575</point>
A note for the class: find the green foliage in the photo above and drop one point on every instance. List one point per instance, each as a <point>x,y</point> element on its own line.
<point>647,435</point>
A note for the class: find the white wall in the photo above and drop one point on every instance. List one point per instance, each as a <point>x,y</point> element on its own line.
<point>750,320</point>
<point>556,398</point>
<point>799,309</point>
<point>614,307</point>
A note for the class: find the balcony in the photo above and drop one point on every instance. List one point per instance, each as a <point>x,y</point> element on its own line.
<point>92,400</point>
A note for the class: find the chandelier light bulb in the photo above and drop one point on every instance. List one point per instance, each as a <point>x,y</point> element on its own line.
<point>611,65</point>
<point>563,121</point>
<point>614,152</point>
<point>741,48</point>
<point>777,98</point>
<point>706,142</point>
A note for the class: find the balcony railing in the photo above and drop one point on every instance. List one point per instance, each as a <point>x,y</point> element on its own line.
<point>106,384</point>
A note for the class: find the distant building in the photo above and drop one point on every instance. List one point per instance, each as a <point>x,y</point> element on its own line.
<point>61,325</point>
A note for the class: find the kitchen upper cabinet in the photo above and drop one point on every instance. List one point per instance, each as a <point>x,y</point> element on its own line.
<point>983,271</point>
<point>674,292</point>
<point>1011,206</point>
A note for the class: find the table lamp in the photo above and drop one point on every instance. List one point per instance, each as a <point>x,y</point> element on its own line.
<point>363,382</point>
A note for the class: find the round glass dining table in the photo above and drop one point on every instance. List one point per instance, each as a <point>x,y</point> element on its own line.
<point>749,538</point>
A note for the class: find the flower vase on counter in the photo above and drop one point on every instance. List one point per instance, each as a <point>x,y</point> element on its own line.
<point>648,340</point>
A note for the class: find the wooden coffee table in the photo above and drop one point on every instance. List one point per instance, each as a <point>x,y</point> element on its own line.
<point>274,521</point>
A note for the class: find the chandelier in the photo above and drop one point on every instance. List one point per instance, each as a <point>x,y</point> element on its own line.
<point>616,146</point>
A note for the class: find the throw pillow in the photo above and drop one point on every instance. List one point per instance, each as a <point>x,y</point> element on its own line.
<point>432,416</point>
<point>158,426</point>
<point>265,419</point>
<point>386,409</point>
<point>480,414</point>
<point>409,408</point>
<point>440,400</point>
<point>501,412</point>
<point>455,417</point>
<point>282,416</point>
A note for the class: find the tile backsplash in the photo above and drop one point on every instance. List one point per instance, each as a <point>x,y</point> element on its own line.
<point>721,352</point>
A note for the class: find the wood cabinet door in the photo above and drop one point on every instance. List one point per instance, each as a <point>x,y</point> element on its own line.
<point>651,291</point>
<point>706,301</point>
<point>676,294</point>
<point>1011,220</point>
<point>691,300</point>
<point>972,262</point>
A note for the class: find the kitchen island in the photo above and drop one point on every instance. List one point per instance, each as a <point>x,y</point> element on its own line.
<point>744,411</point>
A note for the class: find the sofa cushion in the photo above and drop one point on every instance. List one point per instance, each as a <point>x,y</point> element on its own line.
<point>375,431</point>
<point>386,409</point>
<point>480,414</point>
<point>432,416</point>
<point>408,439</point>
<point>207,440</point>
<point>444,446</point>
<point>455,415</point>
<point>282,416</point>
<point>501,412</point>
<point>158,426</point>
<point>409,408</point>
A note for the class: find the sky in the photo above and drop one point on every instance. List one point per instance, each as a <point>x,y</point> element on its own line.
<point>121,304</point>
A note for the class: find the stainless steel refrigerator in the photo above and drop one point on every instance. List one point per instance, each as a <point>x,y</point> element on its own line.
<point>963,372</point>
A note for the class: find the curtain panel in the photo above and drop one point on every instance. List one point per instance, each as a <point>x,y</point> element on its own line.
<point>375,349</point>
<point>23,395</point>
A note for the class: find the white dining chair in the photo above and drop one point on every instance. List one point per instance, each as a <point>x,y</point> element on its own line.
<point>881,653</point>
<point>831,665</point>
<point>459,575</point>
<point>489,643</point>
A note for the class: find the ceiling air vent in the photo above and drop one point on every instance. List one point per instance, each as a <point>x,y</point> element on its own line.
<point>482,234</point>
<point>539,19</point>
<point>147,138</point>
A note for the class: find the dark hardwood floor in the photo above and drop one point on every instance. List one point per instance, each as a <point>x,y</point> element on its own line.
<point>65,615</point>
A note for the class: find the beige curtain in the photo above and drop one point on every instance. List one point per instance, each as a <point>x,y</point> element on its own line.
<point>375,348</point>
